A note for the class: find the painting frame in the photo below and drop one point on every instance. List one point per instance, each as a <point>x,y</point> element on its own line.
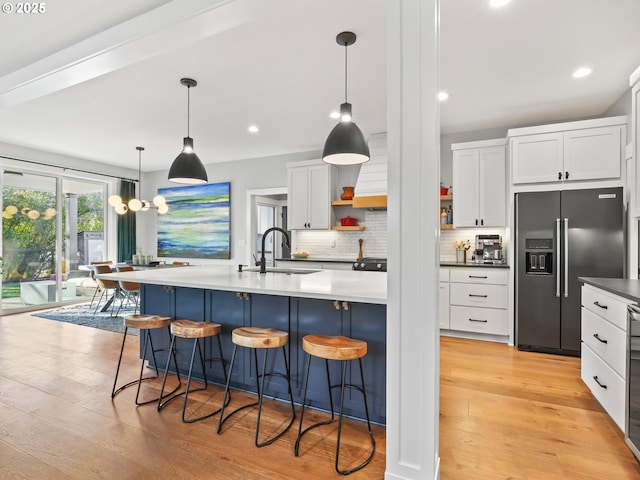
<point>198,223</point>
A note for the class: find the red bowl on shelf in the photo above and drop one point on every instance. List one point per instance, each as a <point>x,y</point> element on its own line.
<point>349,222</point>
<point>443,190</point>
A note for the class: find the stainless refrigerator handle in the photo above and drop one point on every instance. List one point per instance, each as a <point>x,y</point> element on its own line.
<point>558,258</point>
<point>566,257</point>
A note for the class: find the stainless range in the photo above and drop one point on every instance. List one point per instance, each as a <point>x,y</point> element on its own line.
<point>370,264</point>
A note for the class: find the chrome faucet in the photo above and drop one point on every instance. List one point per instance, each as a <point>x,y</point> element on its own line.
<point>263,261</point>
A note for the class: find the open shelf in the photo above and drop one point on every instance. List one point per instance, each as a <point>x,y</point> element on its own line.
<point>353,229</point>
<point>446,226</point>
<point>446,197</point>
<point>338,203</point>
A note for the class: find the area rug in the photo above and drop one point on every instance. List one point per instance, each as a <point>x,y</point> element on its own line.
<point>83,315</point>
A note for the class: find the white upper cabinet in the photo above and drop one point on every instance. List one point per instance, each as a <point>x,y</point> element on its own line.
<point>309,197</point>
<point>568,152</point>
<point>479,184</point>
<point>634,81</point>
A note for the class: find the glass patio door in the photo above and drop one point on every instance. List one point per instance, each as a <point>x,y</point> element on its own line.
<point>30,219</point>
<point>52,228</point>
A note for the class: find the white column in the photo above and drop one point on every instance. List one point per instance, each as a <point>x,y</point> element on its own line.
<point>414,176</point>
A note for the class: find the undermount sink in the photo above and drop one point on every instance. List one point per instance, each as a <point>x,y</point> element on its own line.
<point>286,271</point>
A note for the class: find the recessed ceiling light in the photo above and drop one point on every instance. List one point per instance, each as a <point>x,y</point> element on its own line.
<point>253,129</point>
<point>442,96</point>
<point>335,115</point>
<point>582,72</point>
<point>498,3</point>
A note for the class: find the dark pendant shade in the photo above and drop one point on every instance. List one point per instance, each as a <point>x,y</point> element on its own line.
<point>187,167</point>
<point>345,145</point>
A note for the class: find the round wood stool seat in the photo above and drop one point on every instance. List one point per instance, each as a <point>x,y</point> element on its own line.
<point>334,348</point>
<point>143,321</point>
<point>192,329</point>
<point>254,337</point>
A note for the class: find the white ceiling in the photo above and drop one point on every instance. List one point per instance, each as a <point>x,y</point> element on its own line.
<point>94,79</point>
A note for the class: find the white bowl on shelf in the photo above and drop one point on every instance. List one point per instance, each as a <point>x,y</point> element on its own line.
<point>300,255</point>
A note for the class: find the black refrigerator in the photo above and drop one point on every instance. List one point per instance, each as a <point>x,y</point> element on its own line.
<point>559,237</point>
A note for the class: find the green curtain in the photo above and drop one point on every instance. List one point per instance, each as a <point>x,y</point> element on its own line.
<point>127,224</point>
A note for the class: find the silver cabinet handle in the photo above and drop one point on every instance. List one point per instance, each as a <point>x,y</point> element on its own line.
<point>558,258</point>
<point>566,257</point>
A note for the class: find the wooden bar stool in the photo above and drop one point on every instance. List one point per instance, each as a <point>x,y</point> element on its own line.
<point>190,329</point>
<point>144,323</point>
<point>343,349</point>
<point>265,339</point>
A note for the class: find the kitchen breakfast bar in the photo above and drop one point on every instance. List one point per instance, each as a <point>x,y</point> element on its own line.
<point>298,301</point>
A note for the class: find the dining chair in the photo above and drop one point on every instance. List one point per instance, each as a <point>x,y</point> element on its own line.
<point>130,290</point>
<point>105,286</point>
<point>93,277</point>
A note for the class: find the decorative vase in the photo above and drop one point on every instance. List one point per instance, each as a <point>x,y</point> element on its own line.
<point>461,256</point>
<point>347,193</point>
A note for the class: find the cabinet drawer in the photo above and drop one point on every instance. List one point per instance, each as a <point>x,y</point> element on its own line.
<point>606,305</point>
<point>444,274</point>
<point>443,305</point>
<point>488,296</point>
<point>495,276</point>
<point>606,340</point>
<point>613,396</point>
<point>481,320</point>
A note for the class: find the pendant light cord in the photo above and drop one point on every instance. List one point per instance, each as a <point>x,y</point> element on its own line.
<point>188,107</point>
<point>345,74</point>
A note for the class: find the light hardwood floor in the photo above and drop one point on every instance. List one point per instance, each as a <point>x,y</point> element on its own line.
<point>504,415</point>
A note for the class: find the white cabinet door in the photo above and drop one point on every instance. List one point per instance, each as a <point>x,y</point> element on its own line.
<point>635,141</point>
<point>592,154</point>
<point>479,185</point>
<point>298,198</point>
<point>443,306</point>
<point>492,187</point>
<point>465,187</point>
<point>309,197</point>
<point>319,201</point>
<point>537,158</point>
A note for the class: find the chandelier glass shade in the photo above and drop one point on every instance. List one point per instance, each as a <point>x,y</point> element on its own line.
<point>136,205</point>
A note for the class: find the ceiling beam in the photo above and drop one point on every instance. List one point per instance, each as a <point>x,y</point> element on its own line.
<point>169,26</point>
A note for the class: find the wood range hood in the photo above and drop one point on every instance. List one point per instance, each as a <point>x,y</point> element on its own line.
<point>371,186</point>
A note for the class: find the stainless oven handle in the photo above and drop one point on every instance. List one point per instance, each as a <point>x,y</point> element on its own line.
<point>558,257</point>
<point>566,257</point>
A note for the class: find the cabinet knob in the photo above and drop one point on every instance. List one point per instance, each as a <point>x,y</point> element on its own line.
<point>566,175</point>
<point>336,304</point>
<point>345,305</point>
<point>559,175</point>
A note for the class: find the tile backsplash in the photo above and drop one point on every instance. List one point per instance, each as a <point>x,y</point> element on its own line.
<point>319,242</point>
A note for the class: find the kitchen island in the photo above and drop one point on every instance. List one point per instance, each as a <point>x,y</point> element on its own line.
<point>326,302</point>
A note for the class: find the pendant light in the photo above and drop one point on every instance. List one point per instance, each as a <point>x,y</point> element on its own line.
<point>346,144</point>
<point>187,167</point>
<point>136,205</point>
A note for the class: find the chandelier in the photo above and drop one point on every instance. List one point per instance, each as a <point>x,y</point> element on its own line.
<point>135,205</point>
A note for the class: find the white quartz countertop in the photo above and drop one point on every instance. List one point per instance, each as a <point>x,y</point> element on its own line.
<point>344,285</point>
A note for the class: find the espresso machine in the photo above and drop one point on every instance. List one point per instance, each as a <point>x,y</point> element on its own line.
<point>489,249</point>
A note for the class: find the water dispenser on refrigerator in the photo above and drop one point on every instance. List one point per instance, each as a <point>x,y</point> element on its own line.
<point>539,256</point>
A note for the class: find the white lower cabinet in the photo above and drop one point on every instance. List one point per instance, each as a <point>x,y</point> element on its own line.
<point>603,362</point>
<point>478,300</point>
<point>605,384</point>
<point>443,299</point>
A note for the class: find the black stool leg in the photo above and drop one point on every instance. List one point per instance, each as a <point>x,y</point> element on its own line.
<point>366,409</point>
<point>227,394</point>
<point>301,432</point>
<point>261,396</point>
<point>148,341</point>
